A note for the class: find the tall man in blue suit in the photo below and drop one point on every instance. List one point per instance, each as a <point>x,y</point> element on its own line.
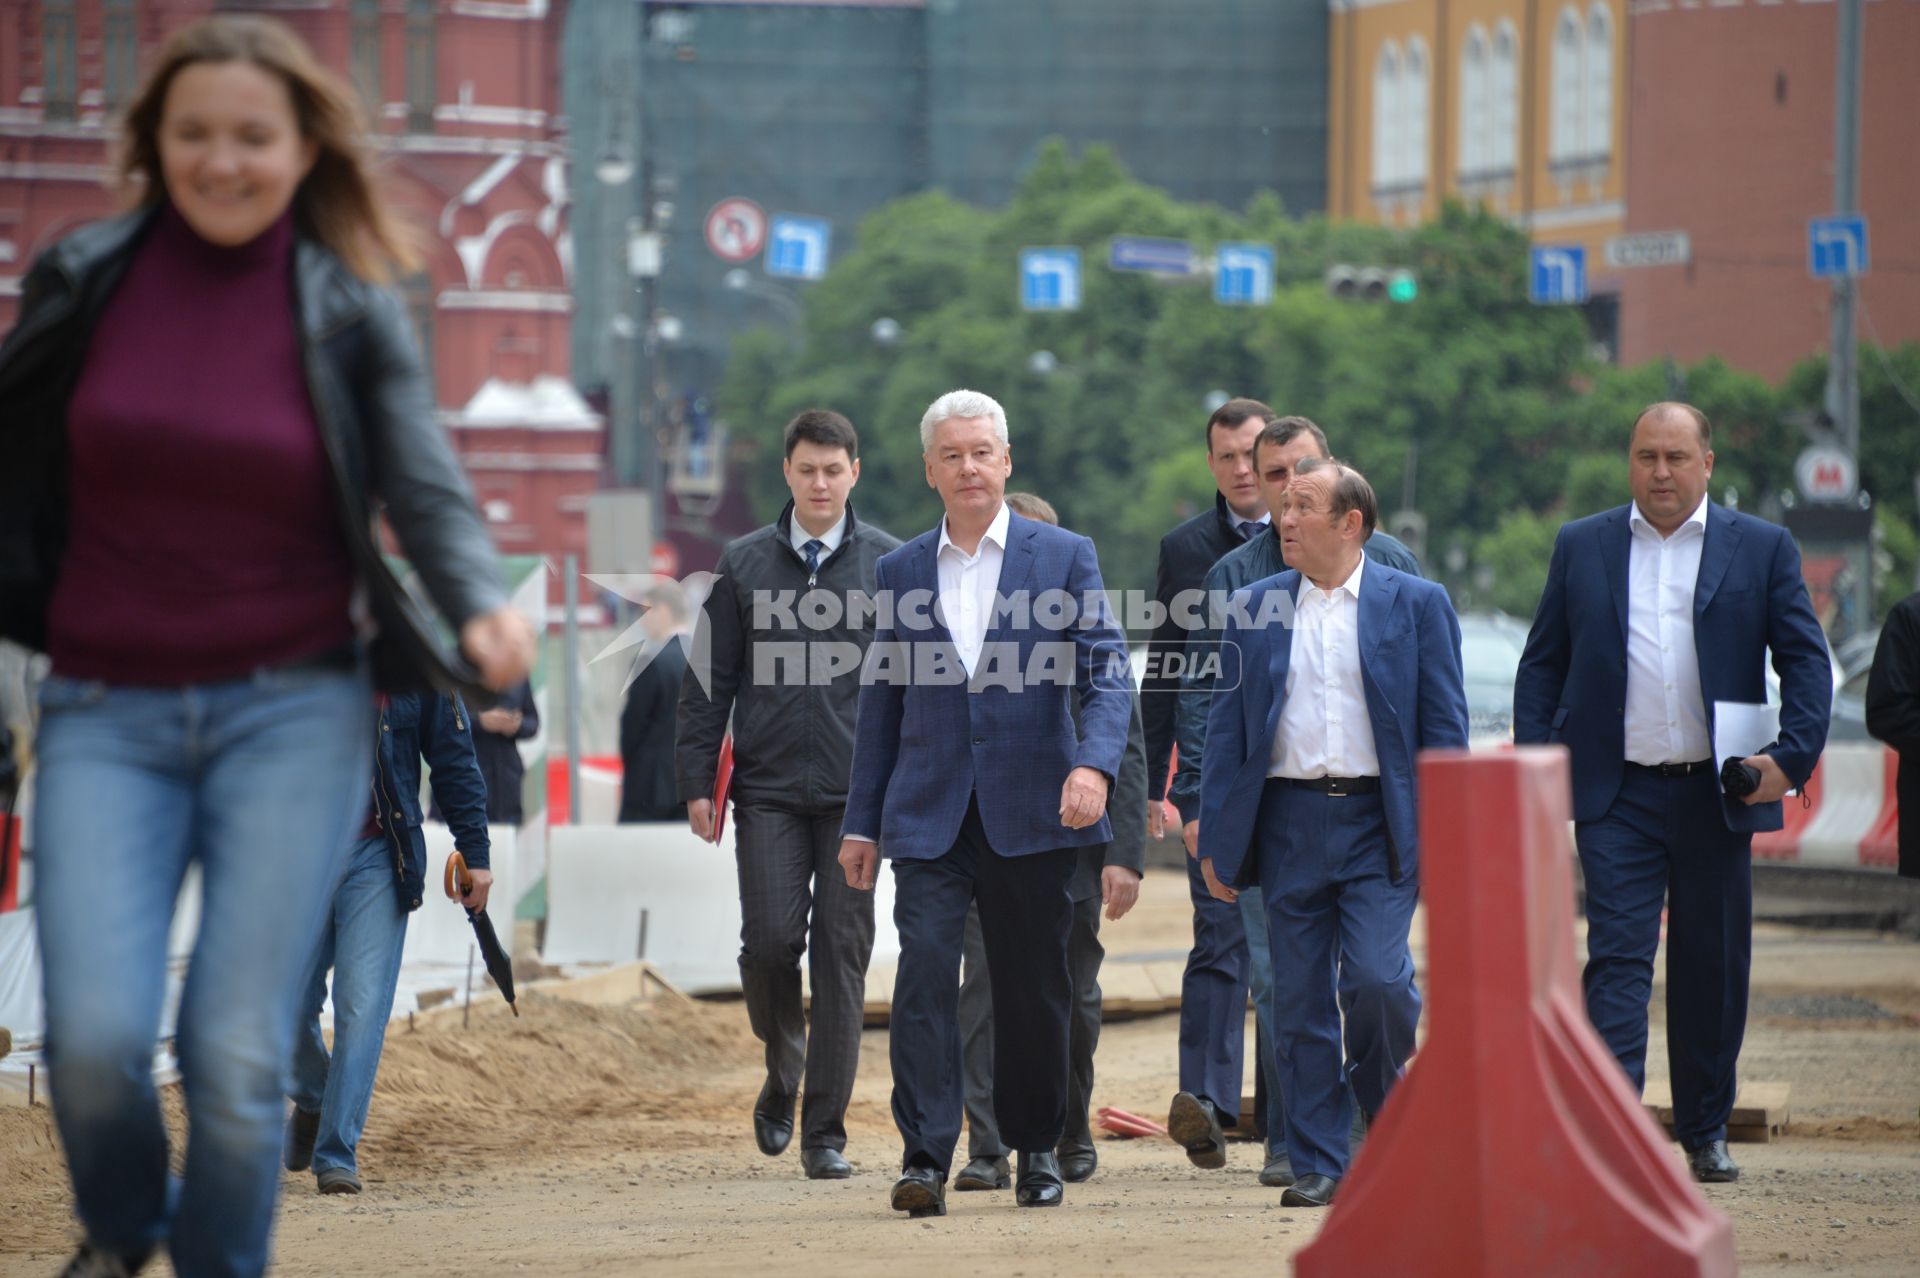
<point>968,773</point>
<point>1652,613</point>
<point>1346,670</point>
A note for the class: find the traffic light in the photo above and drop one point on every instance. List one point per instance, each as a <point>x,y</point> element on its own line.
<point>1371,283</point>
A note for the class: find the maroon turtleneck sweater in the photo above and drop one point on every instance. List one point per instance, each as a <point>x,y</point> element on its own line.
<point>204,539</point>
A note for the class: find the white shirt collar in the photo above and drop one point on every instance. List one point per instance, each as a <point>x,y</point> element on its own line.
<point>1637,521</point>
<point>829,540</point>
<point>996,532</point>
<point>1350,586</point>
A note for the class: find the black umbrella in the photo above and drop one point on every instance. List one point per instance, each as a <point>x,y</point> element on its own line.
<point>499,966</point>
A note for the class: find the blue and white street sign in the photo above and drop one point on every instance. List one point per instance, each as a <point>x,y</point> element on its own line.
<point>1243,275</point>
<point>1150,254</point>
<point>797,246</point>
<point>1050,279</point>
<point>1559,275</point>
<point>1837,246</point>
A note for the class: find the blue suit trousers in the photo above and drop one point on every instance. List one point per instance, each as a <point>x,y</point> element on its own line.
<point>1337,929</point>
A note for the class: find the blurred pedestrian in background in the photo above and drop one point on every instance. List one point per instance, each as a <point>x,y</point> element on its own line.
<point>647,718</point>
<point>206,397</point>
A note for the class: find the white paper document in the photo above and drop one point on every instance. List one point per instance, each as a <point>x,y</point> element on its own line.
<point>1740,730</point>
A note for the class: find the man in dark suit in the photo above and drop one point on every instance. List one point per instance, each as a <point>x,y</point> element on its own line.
<point>1893,716</point>
<point>1108,874</point>
<point>1654,612</point>
<point>968,772</point>
<point>647,718</point>
<point>1213,990</point>
<point>1308,788</point>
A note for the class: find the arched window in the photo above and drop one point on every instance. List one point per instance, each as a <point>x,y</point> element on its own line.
<point>1597,109</point>
<point>1503,146</point>
<point>1415,110</point>
<point>1569,44</point>
<point>1386,115</point>
<point>1476,84</point>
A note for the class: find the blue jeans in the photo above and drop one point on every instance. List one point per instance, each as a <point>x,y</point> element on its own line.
<point>260,781</point>
<point>361,941</point>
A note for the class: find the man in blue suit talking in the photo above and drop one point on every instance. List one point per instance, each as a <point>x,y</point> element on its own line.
<point>1340,670</point>
<point>1652,613</point>
<point>969,775</point>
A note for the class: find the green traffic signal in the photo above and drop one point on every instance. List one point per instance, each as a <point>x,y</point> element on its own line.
<point>1402,286</point>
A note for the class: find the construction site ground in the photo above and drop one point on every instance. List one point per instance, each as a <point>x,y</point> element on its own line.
<point>615,1139</point>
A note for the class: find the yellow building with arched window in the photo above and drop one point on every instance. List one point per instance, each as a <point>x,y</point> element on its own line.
<point>1517,104</point>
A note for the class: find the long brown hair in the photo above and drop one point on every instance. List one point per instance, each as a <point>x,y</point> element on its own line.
<point>339,202</point>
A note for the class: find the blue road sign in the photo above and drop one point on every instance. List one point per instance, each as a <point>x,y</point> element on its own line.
<point>1150,254</point>
<point>1243,275</point>
<point>1837,246</point>
<point>1559,275</point>
<point>1050,279</point>
<point>797,246</point>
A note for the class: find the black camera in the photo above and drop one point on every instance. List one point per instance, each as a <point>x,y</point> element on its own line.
<point>1738,780</point>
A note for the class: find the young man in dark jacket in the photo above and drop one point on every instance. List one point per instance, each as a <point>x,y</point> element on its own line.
<point>387,876</point>
<point>778,648</point>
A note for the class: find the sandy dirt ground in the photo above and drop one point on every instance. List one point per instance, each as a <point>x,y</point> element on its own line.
<point>616,1140</point>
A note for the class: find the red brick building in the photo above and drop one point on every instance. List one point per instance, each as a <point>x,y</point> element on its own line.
<point>1731,117</point>
<point>465,98</point>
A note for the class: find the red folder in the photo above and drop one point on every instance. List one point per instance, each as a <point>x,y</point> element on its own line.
<point>722,783</point>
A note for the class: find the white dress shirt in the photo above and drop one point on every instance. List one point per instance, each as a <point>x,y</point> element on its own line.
<point>1325,730</point>
<point>968,584</point>
<point>829,540</point>
<point>1666,717</point>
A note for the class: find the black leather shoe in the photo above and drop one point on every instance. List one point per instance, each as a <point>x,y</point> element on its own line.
<point>1712,1165</point>
<point>1278,1173</point>
<point>1077,1162</point>
<point>1038,1182</point>
<point>920,1192</point>
<point>773,1120</point>
<point>1311,1190</point>
<point>303,1129</point>
<point>984,1173</point>
<point>822,1163</point>
<point>1194,1125</point>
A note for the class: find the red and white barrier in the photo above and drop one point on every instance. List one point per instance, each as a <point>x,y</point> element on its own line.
<point>1852,821</point>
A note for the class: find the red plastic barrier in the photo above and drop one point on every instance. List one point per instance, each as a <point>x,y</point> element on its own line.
<point>1784,844</point>
<point>1882,844</point>
<point>9,863</point>
<point>1513,1146</point>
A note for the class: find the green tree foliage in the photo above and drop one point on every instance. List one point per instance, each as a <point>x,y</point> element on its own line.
<point>1487,414</point>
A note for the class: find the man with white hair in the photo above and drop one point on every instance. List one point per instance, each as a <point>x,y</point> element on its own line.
<point>969,774</point>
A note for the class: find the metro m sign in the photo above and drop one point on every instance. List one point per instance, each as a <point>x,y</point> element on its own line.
<point>1825,473</point>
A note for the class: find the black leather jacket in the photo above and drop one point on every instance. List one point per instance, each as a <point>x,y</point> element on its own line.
<point>375,407</point>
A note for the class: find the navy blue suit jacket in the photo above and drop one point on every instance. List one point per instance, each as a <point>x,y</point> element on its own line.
<point>1572,684</point>
<point>923,743</point>
<point>1416,700</point>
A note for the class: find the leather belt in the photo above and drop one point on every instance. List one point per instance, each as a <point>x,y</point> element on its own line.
<point>1336,787</point>
<point>1674,769</point>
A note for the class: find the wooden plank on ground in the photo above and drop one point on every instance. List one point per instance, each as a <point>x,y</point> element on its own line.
<point>1761,1109</point>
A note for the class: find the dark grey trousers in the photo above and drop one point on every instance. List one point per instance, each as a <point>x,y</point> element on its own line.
<point>1084,953</point>
<point>794,899</point>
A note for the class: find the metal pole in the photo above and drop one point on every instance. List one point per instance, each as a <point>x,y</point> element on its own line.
<point>1843,364</point>
<point>573,689</point>
<point>647,400</point>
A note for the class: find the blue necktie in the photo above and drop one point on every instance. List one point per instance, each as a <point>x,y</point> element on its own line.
<point>813,549</point>
<point>1249,529</point>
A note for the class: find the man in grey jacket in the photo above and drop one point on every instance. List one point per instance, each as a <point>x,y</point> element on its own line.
<point>778,647</point>
<point>1108,874</point>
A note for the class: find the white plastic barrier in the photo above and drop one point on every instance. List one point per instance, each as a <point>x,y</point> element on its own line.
<point>600,879</point>
<point>438,932</point>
